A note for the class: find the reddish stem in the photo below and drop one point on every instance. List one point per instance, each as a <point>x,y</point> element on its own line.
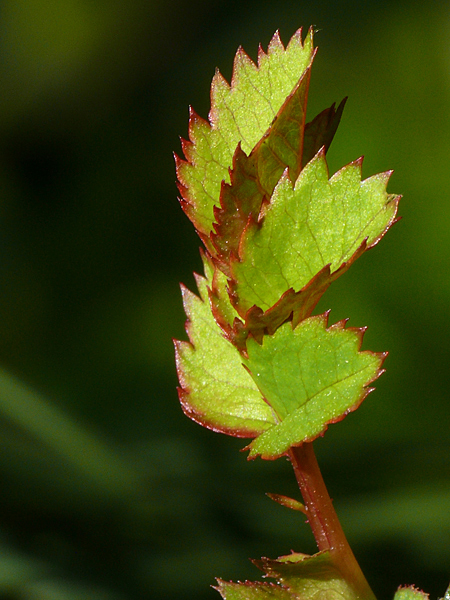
<point>324,521</point>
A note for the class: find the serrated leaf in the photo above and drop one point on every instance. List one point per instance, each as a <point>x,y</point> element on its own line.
<point>310,376</point>
<point>317,222</point>
<point>249,105</point>
<point>254,178</point>
<point>410,593</point>
<point>216,391</point>
<point>240,113</point>
<point>298,576</point>
<point>250,590</point>
<point>308,577</point>
<point>282,145</point>
<point>258,322</point>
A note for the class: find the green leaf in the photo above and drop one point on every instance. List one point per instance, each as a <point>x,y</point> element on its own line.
<point>259,323</point>
<point>308,577</point>
<point>310,376</point>
<point>216,391</point>
<point>250,590</point>
<point>254,178</point>
<point>410,593</point>
<point>275,247</point>
<point>240,113</point>
<point>317,222</point>
<point>297,576</point>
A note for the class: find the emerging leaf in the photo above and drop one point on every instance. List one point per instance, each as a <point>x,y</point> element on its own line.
<point>288,502</point>
<point>216,391</point>
<point>310,376</point>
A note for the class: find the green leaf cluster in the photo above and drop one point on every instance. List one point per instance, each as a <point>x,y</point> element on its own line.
<point>277,230</point>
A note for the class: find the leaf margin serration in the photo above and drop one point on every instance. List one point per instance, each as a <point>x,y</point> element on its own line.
<point>241,262</point>
<point>195,404</point>
<point>257,446</point>
<point>202,132</point>
<point>280,148</point>
<point>297,576</point>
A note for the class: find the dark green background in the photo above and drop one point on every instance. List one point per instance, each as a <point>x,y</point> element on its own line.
<point>107,491</point>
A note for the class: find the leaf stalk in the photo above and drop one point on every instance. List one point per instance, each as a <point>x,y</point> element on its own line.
<point>324,521</point>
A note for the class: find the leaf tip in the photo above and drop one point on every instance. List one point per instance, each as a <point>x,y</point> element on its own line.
<point>275,43</point>
<point>358,162</point>
<point>192,112</point>
<point>287,502</point>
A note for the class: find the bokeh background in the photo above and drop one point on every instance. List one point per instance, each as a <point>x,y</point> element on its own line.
<point>107,491</point>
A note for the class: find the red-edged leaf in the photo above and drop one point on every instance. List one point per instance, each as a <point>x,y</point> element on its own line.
<point>254,178</point>
<point>310,376</point>
<point>320,131</point>
<point>298,577</point>
<point>308,577</point>
<point>252,590</point>
<point>215,389</point>
<point>317,222</point>
<point>240,113</point>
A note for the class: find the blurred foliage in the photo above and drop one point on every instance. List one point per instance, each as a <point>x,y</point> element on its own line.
<point>108,491</point>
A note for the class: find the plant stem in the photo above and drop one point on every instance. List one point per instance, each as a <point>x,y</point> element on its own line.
<point>324,521</point>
